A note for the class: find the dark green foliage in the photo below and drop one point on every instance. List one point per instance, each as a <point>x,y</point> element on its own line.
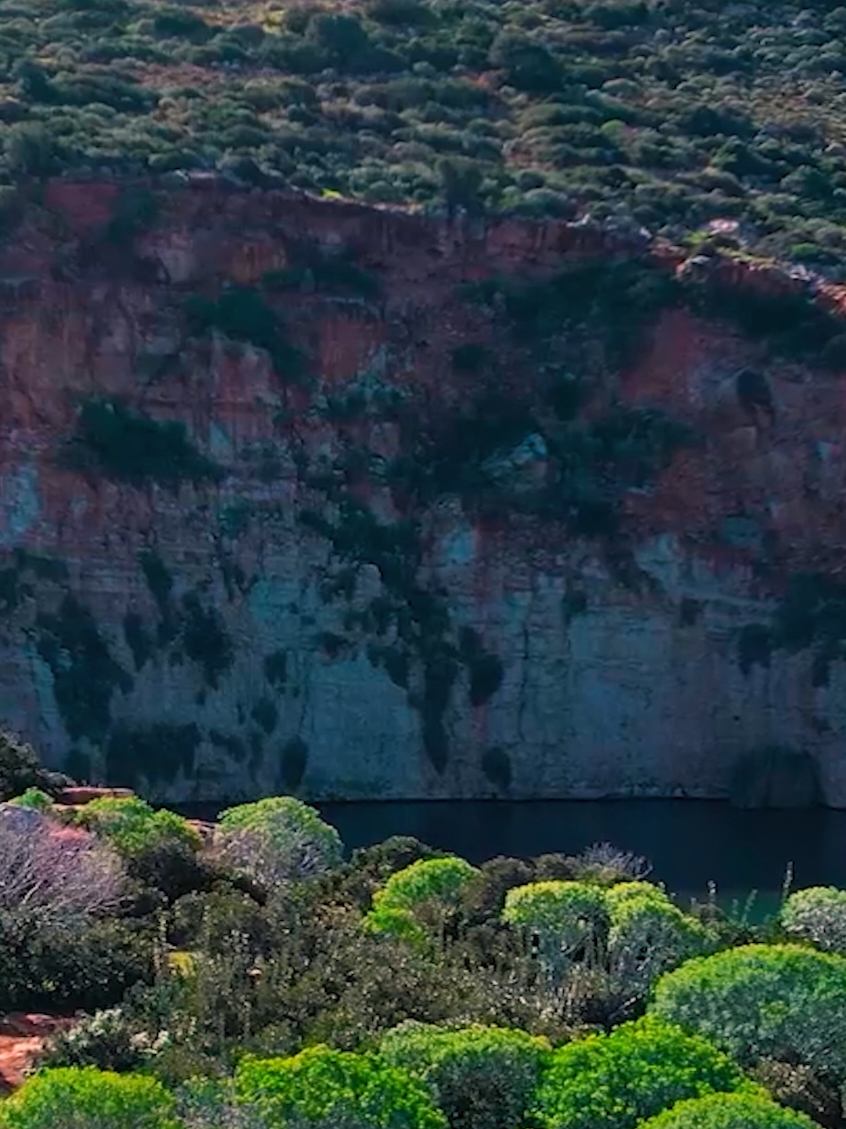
<point>485,669</point>
<point>241,313</point>
<point>64,969</point>
<point>158,577</point>
<point>496,765</point>
<point>137,639</point>
<point>265,714</point>
<point>811,616</point>
<point>112,440</point>
<point>293,762</point>
<point>173,868</point>
<point>154,754</point>
<point>754,645</point>
<point>206,640</point>
<point>135,210</point>
<point>276,668</point>
<point>659,115</point>
<point>84,673</point>
<point>470,358</point>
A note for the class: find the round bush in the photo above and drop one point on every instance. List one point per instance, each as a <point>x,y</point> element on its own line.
<point>573,911</point>
<point>442,878</point>
<point>649,935</point>
<point>755,1001</point>
<point>729,1111</point>
<point>614,1081</point>
<point>817,914</point>
<point>88,1098</point>
<point>481,1077</point>
<point>132,826</point>
<point>278,840</point>
<point>321,1088</point>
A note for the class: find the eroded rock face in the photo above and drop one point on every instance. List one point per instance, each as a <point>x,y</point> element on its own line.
<point>299,496</point>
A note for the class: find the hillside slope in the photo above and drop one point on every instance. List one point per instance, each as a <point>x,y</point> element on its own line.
<point>663,113</point>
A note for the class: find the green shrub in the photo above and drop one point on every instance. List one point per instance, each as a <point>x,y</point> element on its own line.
<point>568,917</point>
<point>614,1081</point>
<point>88,1098</point>
<point>59,969</point>
<point>324,1088</point>
<point>278,840</point>
<point>629,930</point>
<point>729,1111</point>
<point>33,798</point>
<point>649,935</point>
<point>132,826</point>
<point>117,442</point>
<point>424,880</point>
<point>817,914</point>
<point>778,1001</point>
<point>481,1077</point>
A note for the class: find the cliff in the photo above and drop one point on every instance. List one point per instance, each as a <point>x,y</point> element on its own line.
<point>298,495</point>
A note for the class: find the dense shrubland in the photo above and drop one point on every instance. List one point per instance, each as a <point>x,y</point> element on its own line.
<point>258,979</point>
<point>664,113</point>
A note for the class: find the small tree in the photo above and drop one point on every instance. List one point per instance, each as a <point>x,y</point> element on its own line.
<point>755,1001</point>
<point>87,1098</point>
<point>481,1077</point>
<point>649,935</point>
<point>615,1081</point>
<point>420,894</point>
<point>729,1111</point>
<point>325,1089</point>
<point>277,841</point>
<point>132,826</point>
<point>817,914</point>
<point>570,920</point>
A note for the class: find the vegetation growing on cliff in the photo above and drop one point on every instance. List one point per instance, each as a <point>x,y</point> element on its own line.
<point>669,115</point>
<point>238,986</point>
<point>121,444</point>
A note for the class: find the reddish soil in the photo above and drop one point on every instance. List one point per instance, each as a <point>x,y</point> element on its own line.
<point>21,1038</point>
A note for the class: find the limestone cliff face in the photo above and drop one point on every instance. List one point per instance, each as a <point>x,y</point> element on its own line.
<point>304,496</point>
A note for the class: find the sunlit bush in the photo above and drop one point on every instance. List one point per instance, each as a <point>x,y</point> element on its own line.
<point>481,1077</point>
<point>779,1001</point>
<point>277,840</point>
<point>817,914</point>
<point>729,1111</point>
<point>88,1098</point>
<point>132,826</point>
<point>615,1081</point>
<point>325,1089</point>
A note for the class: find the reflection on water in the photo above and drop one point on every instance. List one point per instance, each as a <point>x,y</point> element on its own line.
<point>689,842</point>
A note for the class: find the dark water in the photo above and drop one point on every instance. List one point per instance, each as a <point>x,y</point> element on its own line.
<point>689,842</point>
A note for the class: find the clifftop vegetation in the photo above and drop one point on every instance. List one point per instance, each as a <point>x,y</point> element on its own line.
<point>664,113</point>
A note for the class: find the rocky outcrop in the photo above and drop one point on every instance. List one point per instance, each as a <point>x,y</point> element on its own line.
<point>312,497</point>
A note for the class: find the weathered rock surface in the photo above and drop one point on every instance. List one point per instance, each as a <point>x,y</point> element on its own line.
<point>421,537</point>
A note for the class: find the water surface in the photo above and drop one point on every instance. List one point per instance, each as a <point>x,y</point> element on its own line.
<point>689,842</point>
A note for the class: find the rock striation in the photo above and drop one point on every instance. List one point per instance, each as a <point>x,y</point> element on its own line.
<point>305,496</point>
